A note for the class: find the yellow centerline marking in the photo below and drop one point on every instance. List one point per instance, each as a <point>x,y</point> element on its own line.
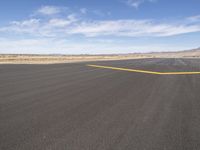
<point>144,71</point>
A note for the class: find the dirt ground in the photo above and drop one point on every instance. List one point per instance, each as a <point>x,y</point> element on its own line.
<point>51,59</point>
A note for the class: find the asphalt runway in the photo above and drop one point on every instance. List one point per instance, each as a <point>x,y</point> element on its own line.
<point>78,107</point>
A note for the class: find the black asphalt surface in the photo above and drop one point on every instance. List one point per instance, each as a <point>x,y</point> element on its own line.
<point>76,107</point>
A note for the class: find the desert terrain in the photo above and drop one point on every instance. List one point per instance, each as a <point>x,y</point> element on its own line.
<point>51,59</point>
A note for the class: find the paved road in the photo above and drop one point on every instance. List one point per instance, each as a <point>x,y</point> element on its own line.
<point>76,107</point>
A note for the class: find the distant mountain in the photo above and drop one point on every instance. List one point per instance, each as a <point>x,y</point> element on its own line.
<point>193,53</point>
<point>192,50</point>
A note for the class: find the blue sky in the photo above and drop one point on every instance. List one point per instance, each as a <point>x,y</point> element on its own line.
<point>98,27</point>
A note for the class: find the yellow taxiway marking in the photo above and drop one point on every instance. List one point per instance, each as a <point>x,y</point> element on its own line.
<point>144,71</point>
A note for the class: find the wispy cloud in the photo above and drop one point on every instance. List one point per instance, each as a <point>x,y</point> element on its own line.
<point>51,32</point>
<point>132,28</point>
<point>53,27</point>
<point>57,22</point>
<point>21,27</point>
<point>49,10</point>
<point>137,3</point>
<point>194,18</point>
<point>71,25</point>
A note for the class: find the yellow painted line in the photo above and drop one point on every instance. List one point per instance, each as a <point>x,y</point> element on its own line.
<point>179,73</point>
<point>144,71</point>
<point>124,69</point>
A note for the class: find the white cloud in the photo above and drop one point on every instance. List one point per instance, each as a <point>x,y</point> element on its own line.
<point>53,27</point>
<point>59,22</point>
<point>194,18</point>
<point>71,25</point>
<point>26,23</point>
<point>132,28</point>
<point>49,34</point>
<point>62,22</point>
<point>26,26</point>
<point>137,3</point>
<point>49,10</point>
<point>134,3</point>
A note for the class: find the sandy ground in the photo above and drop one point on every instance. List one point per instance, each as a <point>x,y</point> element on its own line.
<point>52,59</point>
